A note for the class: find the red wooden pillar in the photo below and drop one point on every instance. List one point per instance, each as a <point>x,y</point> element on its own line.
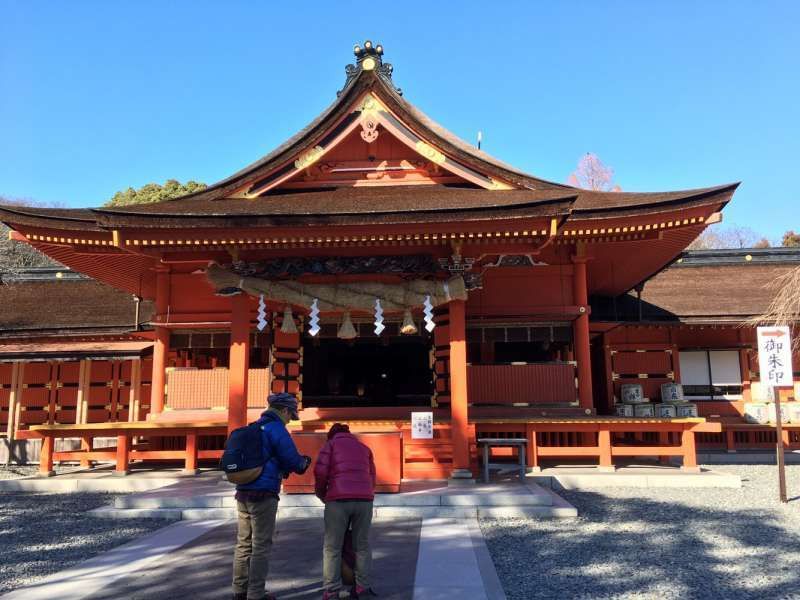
<point>190,465</point>
<point>604,443</point>
<point>46,457</point>
<point>458,389</point>
<point>581,332</point>
<point>239,361</point>
<point>161,347</point>
<point>123,454</point>
<point>689,449</point>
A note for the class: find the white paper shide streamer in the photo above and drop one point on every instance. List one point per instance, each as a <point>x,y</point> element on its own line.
<point>313,319</point>
<point>262,313</point>
<point>379,326</point>
<point>429,324</point>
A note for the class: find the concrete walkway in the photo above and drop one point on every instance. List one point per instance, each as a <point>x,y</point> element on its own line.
<point>454,562</point>
<point>412,560</point>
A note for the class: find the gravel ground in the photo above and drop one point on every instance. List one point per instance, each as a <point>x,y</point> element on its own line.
<point>665,544</point>
<point>18,471</point>
<point>44,533</point>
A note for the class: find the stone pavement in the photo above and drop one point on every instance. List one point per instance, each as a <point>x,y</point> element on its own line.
<point>413,559</point>
<point>202,568</point>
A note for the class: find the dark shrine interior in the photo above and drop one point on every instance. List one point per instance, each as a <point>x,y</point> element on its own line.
<point>367,372</point>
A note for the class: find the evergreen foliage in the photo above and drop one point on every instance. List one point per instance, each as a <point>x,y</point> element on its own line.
<point>155,192</point>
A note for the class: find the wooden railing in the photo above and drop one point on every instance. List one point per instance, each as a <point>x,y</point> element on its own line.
<point>549,383</point>
<point>208,388</point>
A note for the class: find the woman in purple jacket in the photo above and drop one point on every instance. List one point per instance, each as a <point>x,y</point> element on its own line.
<point>345,482</point>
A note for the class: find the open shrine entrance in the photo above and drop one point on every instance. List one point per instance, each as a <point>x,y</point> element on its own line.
<point>393,370</point>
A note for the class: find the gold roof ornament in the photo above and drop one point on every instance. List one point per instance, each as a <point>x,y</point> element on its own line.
<point>369,57</point>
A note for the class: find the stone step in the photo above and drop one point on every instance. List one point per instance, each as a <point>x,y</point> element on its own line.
<point>185,497</point>
<point>560,511</point>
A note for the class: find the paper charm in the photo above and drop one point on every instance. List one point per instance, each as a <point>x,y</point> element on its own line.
<point>429,324</point>
<point>313,320</point>
<point>379,326</point>
<point>262,313</point>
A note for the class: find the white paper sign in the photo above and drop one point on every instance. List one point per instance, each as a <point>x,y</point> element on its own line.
<point>775,357</point>
<point>422,425</point>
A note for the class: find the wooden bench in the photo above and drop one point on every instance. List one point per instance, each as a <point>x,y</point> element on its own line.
<point>607,447</point>
<point>124,453</point>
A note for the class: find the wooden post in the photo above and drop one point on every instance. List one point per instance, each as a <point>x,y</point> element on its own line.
<point>161,347</point>
<point>135,394</point>
<point>239,361</point>
<point>533,448</point>
<point>53,392</point>
<point>604,443</point>
<point>779,446</point>
<point>123,455</point>
<point>46,457</point>
<point>730,441</point>
<point>86,445</point>
<point>581,330</point>
<point>458,390</point>
<point>17,370</point>
<point>84,387</point>
<point>190,466</point>
<point>689,451</point>
<point>158,385</point>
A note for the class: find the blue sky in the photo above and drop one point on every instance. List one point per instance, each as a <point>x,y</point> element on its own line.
<point>99,96</point>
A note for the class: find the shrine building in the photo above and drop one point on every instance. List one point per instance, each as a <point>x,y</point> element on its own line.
<point>376,265</point>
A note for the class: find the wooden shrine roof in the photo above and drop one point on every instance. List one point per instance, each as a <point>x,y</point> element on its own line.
<point>36,302</point>
<point>707,286</point>
<point>369,205</point>
<point>245,194</point>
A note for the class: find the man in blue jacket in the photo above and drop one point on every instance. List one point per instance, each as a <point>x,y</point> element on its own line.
<point>257,502</point>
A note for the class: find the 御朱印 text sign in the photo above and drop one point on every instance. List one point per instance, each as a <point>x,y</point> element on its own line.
<point>775,357</point>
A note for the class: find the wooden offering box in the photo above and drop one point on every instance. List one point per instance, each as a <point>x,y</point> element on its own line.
<point>386,450</point>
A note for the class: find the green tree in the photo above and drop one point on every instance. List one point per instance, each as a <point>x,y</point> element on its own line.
<point>790,239</point>
<point>154,192</point>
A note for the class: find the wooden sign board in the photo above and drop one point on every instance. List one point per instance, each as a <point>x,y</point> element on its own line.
<point>775,358</point>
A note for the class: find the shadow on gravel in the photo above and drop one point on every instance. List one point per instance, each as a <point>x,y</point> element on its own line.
<point>643,548</point>
<point>44,533</point>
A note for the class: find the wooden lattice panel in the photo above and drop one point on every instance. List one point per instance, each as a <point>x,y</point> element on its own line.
<point>208,388</point>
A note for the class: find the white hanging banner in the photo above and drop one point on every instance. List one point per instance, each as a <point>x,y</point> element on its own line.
<point>775,357</point>
<point>422,425</point>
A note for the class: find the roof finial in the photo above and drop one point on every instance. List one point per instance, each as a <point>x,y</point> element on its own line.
<point>369,57</point>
